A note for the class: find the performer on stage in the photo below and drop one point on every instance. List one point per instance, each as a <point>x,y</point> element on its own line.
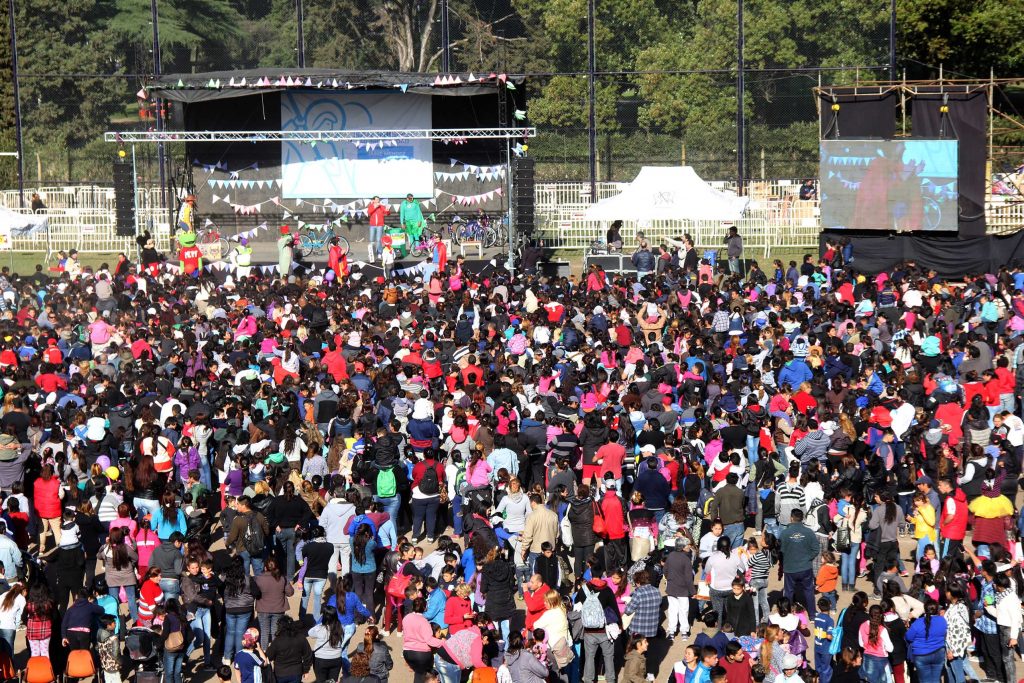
<point>411,217</point>
<point>187,214</point>
<point>376,212</point>
<point>242,258</point>
<point>284,252</point>
<point>190,259</point>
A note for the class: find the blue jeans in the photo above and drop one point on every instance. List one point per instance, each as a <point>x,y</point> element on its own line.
<point>955,670</point>
<point>929,667</point>
<point>286,544</point>
<point>734,532</point>
<point>172,666</point>
<point>7,639</point>
<point>449,673</point>
<point>752,443</point>
<point>145,506</point>
<point>129,593</point>
<point>848,565</point>
<point>205,476</point>
<point>201,626</point>
<point>250,561</point>
<point>314,587</point>
<point>424,515</point>
<point>391,506</point>
<point>346,636</point>
<point>234,628</point>
<point>503,628</point>
<point>171,588</point>
<point>873,668</point>
<point>376,234</point>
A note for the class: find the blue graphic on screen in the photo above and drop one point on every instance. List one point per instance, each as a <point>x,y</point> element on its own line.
<point>906,185</point>
<point>389,168</point>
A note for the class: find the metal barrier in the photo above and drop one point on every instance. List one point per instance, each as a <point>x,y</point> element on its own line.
<point>82,217</point>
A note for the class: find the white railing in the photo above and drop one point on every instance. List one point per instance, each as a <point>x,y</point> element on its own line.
<point>82,217</point>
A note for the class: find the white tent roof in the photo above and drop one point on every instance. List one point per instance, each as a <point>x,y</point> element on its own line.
<point>668,193</point>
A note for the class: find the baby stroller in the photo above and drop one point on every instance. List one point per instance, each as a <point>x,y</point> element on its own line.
<point>142,646</point>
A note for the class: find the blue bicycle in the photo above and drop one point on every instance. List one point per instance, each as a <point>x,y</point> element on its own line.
<point>316,240</point>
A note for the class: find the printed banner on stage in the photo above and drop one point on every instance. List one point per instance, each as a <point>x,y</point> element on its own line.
<point>389,168</point>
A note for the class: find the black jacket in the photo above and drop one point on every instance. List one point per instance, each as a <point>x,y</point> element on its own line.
<point>290,655</point>
<point>497,582</point>
<point>581,519</point>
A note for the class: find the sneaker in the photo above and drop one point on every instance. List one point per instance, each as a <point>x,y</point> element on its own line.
<point>430,540</point>
<point>904,574</point>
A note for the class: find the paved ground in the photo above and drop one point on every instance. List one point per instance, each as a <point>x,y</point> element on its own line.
<point>661,656</point>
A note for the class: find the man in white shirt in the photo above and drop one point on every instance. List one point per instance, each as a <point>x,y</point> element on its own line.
<point>902,415</point>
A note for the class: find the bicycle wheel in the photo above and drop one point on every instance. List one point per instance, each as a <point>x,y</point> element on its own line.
<point>306,246</point>
<point>453,233</point>
<point>418,249</point>
<point>490,238</point>
<point>225,247</point>
<point>343,243</point>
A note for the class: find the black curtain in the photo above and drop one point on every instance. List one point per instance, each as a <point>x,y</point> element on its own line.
<point>859,115</point>
<point>966,122</point>
<point>949,255</point>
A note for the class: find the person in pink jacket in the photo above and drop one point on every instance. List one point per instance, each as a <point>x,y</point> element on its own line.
<point>419,641</point>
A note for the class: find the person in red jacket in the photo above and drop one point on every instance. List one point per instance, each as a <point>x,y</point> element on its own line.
<point>614,529</point>
<point>952,519</point>
<point>47,501</point>
<point>458,612</point>
<point>376,211</point>
<point>534,591</point>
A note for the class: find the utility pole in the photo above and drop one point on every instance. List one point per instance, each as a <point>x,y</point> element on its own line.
<point>161,159</point>
<point>446,51</point>
<point>740,113</point>
<point>892,40</point>
<point>300,39</point>
<point>592,96</point>
<point>17,105</point>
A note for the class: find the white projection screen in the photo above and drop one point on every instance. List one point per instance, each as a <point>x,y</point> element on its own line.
<point>343,170</point>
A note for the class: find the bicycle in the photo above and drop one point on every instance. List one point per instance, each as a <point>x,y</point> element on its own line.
<point>209,236</point>
<point>317,240</point>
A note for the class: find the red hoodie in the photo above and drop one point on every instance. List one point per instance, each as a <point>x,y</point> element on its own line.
<point>614,519</point>
<point>955,529</point>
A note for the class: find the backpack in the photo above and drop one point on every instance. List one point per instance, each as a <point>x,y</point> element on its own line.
<point>704,501</point>
<point>386,485</point>
<point>254,540</point>
<point>429,484</point>
<point>814,517</point>
<point>592,612</point>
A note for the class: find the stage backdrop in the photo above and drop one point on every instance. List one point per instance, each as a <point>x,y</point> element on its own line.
<point>347,169</point>
<point>949,254</point>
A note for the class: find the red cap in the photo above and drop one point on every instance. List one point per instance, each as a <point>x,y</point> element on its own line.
<point>284,229</point>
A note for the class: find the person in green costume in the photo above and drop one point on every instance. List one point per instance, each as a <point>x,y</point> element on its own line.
<point>410,215</point>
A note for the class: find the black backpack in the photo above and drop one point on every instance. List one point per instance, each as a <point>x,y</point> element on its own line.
<point>429,484</point>
<point>254,540</point>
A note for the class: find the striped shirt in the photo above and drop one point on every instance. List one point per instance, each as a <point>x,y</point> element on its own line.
<point>759,563</point>
<point>789,497</point>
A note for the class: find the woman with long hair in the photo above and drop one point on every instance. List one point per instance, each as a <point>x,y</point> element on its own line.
<point>290,653</point>
<point>364,565</point>
<point>145,541</point>
<point>723,566</point>
<point>847,666</point>
<point>40,612</point>
<point>852,515</point>
<point>150,596</point>
<point>272,603</point>
<point>174,622</point>
<point>524,666</point>
<point>359,671</point>
<point>927,639</point>
<point>328,637</point>
<point>875,641</point>
<point>170,518</point>
<point>374,647</point>
<point>556,627</point>
<point>286,513</point>
<point>886,518</point>
<point>772,652</point>
<point>349,608</point>
<point>120,561</point>
<point>239,599</point>
<point>12,604</point>
<point>958,630</point>
<point>146,487</point>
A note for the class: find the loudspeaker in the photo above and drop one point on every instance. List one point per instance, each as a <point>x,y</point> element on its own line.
<point>523,195</point>
<point>124,200</point>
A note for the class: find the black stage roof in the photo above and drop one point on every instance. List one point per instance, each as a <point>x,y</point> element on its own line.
<point>216,85</point>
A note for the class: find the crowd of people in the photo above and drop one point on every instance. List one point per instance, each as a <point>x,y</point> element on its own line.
<point>530,478</point>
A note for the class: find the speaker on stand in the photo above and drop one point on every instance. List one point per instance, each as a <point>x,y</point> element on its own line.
<point>523,219</point>
<point>124,199</point>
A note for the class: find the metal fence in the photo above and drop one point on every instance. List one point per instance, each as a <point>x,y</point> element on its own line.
<point>776,220</point>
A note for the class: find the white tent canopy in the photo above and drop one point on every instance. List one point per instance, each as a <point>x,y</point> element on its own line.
<point>661,193</point>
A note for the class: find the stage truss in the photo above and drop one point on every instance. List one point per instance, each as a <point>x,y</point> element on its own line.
<point>312,136</point>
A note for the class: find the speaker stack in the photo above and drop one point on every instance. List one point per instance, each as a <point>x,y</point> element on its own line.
<point>523,195</point>
<point>124,199</point>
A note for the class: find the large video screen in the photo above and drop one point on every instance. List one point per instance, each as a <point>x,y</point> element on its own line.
<point>390,169</point>
<point>888,184</point>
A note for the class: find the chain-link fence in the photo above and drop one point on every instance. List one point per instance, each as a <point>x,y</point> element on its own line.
<point>664,77</point>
